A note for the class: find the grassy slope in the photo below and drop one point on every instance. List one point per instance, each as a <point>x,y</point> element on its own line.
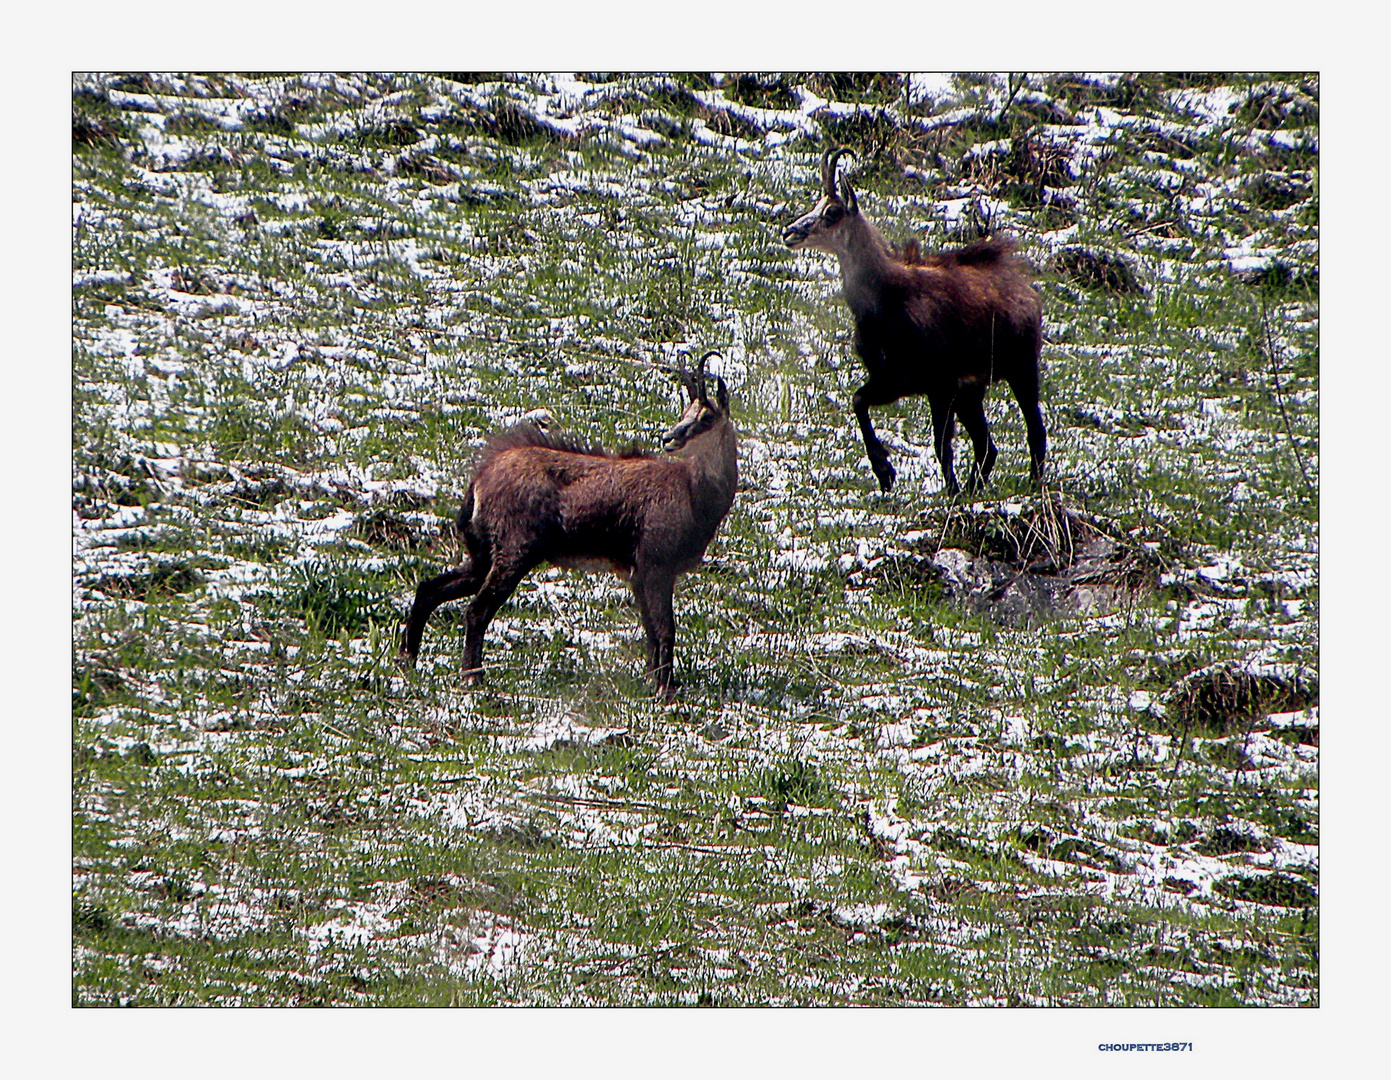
<point>299,303</point>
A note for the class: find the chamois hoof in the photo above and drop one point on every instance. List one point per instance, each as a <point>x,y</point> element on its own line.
<point>664,689</point>
<point>886,476</point>
<point>405,661</point>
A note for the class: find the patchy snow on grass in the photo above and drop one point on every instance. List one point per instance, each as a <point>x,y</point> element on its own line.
<point>288,344</point>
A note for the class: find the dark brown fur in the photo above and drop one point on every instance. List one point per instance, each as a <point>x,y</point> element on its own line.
<point>945,325</point>
<point>538,497</point>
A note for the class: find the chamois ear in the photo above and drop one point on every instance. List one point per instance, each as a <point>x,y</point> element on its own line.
<point>847,195</point>
<point>721,396</point>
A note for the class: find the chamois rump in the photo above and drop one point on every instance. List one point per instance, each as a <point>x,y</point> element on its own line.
<point>944,325</point>
<point>543,498</point>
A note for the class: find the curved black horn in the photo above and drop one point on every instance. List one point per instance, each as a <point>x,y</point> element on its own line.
<point>701,369</point>
<point>847,193</point>
<point>829,161</point>
<point>828,169</point>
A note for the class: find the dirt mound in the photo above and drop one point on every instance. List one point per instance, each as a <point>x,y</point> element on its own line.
<point>1022,564</point>
<point>1227,697</point>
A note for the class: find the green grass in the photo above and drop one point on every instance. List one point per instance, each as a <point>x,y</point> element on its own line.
<point>292,331</point>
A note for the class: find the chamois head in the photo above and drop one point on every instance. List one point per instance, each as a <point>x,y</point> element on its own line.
<point>818,227</point>
<point>701,413</point>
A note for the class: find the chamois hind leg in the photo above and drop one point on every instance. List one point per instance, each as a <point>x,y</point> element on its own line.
<point>970,408</point>
<point>503,578</point>
<point>431,593</point>
<point>1025,386</point>
<point>865,397</point>
<point>943,429</point>
<point>649,631</point>
<point>654,590</point>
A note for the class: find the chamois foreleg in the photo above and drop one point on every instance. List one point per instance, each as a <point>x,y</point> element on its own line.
<point>503,578</point>
<point>970,409</point>
<point>866,397</point>
<point>430,594</point>
<point>654,589</point>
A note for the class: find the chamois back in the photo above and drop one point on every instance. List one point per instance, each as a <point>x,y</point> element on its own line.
<point>526,434</point>
<point>990,251</point>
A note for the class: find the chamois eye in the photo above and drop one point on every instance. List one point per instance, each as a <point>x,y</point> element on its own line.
<point>833,213</point>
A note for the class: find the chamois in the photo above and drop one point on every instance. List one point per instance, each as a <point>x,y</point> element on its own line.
<point>543,498</point>
<point>944,325</point>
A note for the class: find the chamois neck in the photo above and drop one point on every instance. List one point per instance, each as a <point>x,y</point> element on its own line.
<point>713,460</point>
<point>865,261</point>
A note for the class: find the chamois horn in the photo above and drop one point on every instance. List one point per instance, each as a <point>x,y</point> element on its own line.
<point>694,384</point>
<point>828,177</point>
<point>701,370</point>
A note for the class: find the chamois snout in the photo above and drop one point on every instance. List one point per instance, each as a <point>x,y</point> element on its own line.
<point>814,228</point>
<point>676,438</point>
<point>796,234</point>
<point>819,227</point>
